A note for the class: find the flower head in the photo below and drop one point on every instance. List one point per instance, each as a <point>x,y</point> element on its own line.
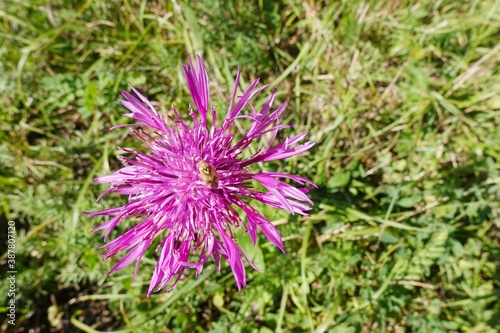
<point>188,185</point>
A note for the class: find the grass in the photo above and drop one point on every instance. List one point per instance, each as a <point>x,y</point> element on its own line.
<point>401,98</point>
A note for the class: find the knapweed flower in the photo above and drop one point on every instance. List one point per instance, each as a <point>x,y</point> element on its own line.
<point>188,186</point>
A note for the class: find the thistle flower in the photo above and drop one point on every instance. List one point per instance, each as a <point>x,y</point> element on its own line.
<point>188,185</point>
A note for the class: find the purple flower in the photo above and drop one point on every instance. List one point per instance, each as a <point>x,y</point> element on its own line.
<point>188,185</point>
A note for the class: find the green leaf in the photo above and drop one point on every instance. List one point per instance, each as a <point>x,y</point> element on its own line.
<point>339,180</point>
<point>410,201</point>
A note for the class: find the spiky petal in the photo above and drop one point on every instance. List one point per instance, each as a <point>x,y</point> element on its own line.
<point>188,184</point>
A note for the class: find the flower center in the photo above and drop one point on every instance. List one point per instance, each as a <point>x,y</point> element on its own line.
<point>208,174</point>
